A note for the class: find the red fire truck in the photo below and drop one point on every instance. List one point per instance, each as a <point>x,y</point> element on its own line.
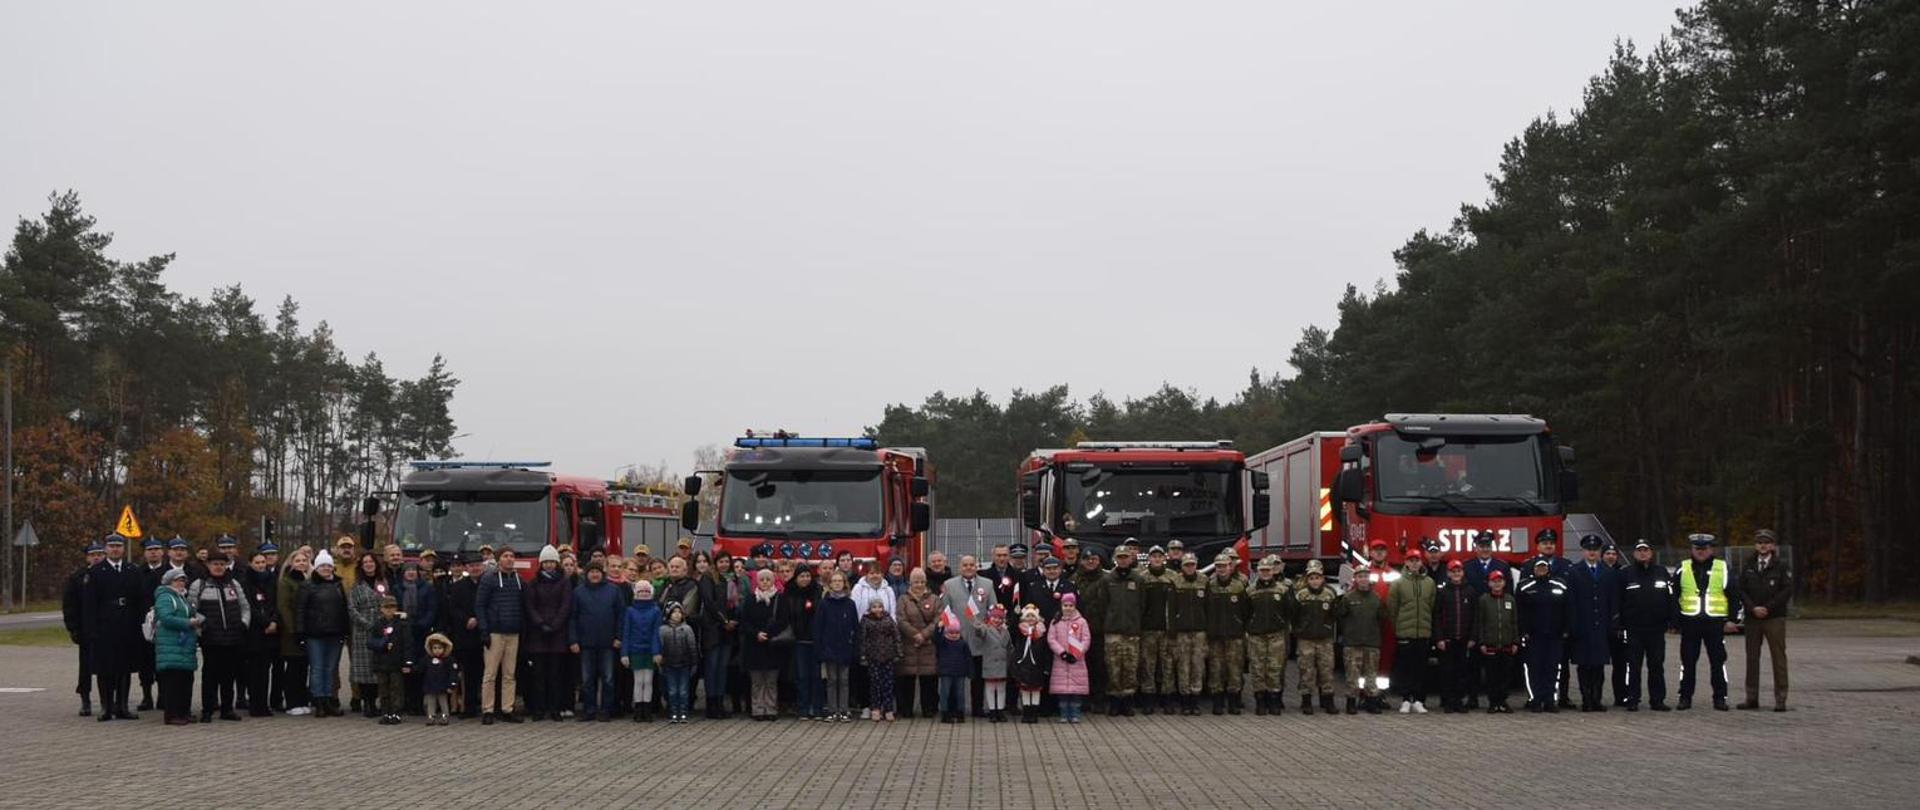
<point>813,498</point>
<point>1101,493</point>
<point>458,506</point>
<point>1412,478</point>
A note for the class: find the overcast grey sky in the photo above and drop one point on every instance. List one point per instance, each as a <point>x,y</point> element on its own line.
<point>635,228</point>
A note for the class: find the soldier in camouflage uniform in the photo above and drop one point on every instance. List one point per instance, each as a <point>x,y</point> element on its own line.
<point>1156,655</point>
<point>1227,612</point>
<point>1267,636</point>
<point>1360,610</point>
<point>1187,630</point>
<point>1121,592</point>
<point>1313,612</point>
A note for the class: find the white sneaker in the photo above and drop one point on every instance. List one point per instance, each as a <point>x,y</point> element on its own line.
<point>1420,708</point>
<point>1405,707</point>
<point>299,711</point>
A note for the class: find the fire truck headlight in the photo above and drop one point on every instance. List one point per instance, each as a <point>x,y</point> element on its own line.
<point>786,549</point>
<point>826,550</point>
<point>806,549</point>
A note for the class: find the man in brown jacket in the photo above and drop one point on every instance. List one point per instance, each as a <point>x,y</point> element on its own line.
<point>1766,585</point>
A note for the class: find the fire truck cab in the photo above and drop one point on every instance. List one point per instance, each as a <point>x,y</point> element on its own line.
<point>1411,479</point>
<point>455,507</point>
<point>812,498</point>
<point>1101,493</point>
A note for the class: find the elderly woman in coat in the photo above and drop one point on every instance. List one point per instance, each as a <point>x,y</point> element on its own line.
<point>919,614</point>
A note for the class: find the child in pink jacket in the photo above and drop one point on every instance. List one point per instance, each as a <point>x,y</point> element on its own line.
<point>1070,637</point>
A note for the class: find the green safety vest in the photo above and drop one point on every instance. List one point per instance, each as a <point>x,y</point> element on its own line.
<point>1714,601</point>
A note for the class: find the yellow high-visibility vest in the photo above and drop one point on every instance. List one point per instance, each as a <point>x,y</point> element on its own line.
<point>1714,601</point>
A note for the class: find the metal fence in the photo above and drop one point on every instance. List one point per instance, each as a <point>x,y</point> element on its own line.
<point>976,536</point>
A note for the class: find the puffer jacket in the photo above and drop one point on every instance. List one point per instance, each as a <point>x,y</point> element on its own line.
<point>679,646</point>
<point>1267,606</point>
<point>596,615</point>
<point>1069,635</point>
<point>323,609</point>
<point>1410,605</point>
<point>640,633</point>
<point>879,640</point>
<point>174,648</point>
<point>919,622</point>
<point>500,603</point>
<point>1496,622</point>
<point>224,604</point>
<point>836,627</point>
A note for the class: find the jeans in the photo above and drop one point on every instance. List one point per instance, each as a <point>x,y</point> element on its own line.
<point>806,665</point>
<point>323,662</point>
<point>1070,706</point>
<point>837,679</point>
<point>679,689</point>
<point>953,694</point>
<point>596,680</point>
<point>716,672</point>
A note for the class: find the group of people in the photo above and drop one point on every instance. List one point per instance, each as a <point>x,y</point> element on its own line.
<point>834,641</point>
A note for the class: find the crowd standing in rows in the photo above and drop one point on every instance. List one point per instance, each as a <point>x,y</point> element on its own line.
<point>638,637</point>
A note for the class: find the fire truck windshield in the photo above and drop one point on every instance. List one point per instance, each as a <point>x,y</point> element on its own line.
<point>1138,502</point>
<point>1463,474</point>
<point>783,503</point>
<point>453,522</point>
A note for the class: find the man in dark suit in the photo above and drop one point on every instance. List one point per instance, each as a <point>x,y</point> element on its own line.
<point>113,604</point>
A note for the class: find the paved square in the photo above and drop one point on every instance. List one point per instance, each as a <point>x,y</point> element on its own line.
<point>1852,740</point>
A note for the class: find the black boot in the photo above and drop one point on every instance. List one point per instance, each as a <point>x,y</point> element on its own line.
<point>1306,703</point>
<point>1326,704</point>
<point>86,705</point>
<point>1219,704</point>
<point>1126,705</point>
<point>146,697</point>
<point>1353,706</point>
<point>1233,704</point>
<point>1029,715</point>
<point>1146,702</point>
<point>1113,708</point>
<point>1259,704</point>
<point>1375,705</point>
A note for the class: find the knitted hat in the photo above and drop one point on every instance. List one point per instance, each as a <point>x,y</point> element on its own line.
<point>323,559</point>
<point>1069,600</point>
<point>549,554</point>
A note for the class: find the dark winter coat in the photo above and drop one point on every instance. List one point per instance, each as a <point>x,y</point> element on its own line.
<point>1187,604</point>
<point>679,646</point>
<point>1453,610</point>
<point>1046,594</point>
<point>1125,596</point>
<point>685,591</point>
<point>596,615</point>
<point>1359,613</point>
<point>549,609</point>
<point>262,592</point>
<point>1311,613</point>
<point>391,642</point>
<point>1596,612</point>
<point>442,674</point>
<point>797,608</point>
<point>879,640</point>
<point>1227,608</point>
<point>1647,601</point>
<point>70,609</point>
<point>323,609</point>
<point>1267,606</point>
<point>836,630</point>
<point>719,603</point>
<point>1771,588</point>
<point>1477,572</point>
<point>1030,660</point>
<point>461,595</point>
<point>500,603</point>
<point>758,617</point>
<point>952,657</point>
<point>422,607</point>
<point>287,603</point>
<point>113,603</point>
<point>1496,620</point>
<point>1546,608</point>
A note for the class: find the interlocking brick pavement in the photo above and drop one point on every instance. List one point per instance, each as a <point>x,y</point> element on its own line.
<point>1851,739</point>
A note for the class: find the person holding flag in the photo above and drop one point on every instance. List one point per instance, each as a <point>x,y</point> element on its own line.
<point>966,596</point>
<point>1070,637</point>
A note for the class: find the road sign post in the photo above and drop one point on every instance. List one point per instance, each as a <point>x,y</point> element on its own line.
<point>25,541</point>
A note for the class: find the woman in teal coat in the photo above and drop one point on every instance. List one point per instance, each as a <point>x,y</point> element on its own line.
<point>175,646</point>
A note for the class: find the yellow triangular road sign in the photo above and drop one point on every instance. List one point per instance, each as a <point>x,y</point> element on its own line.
<point>129,527</point>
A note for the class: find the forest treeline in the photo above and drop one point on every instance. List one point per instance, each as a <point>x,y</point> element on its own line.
<point>1707,278</point>
<point>202,414</point>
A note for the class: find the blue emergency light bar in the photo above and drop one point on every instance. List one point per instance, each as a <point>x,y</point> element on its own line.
<point>860,443</point>
<point>477,465</point>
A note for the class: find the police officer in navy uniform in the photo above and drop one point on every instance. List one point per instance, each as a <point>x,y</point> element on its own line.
<point>152,567</point>
<point>1647,611</point>
<point>1596,590</point>
<point>1010,585</point>
<point>1546,614</point>
<point>1547,547</point>
<point>112,606</point>
<point>72,614</point>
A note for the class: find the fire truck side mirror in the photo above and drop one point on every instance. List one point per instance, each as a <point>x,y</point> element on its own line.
<point>1566,455</point>
<point>1350,454</point>
<point>690,515</point>
<point>1569,486</point>
<point>922,517</point>
<point>921,486</point>
<point>1030,503</point>
<point>1262,510</point>
<point>1350,487</point>
<point>1259,480</point>
<point>692,485</point>
<point>370,506</point>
